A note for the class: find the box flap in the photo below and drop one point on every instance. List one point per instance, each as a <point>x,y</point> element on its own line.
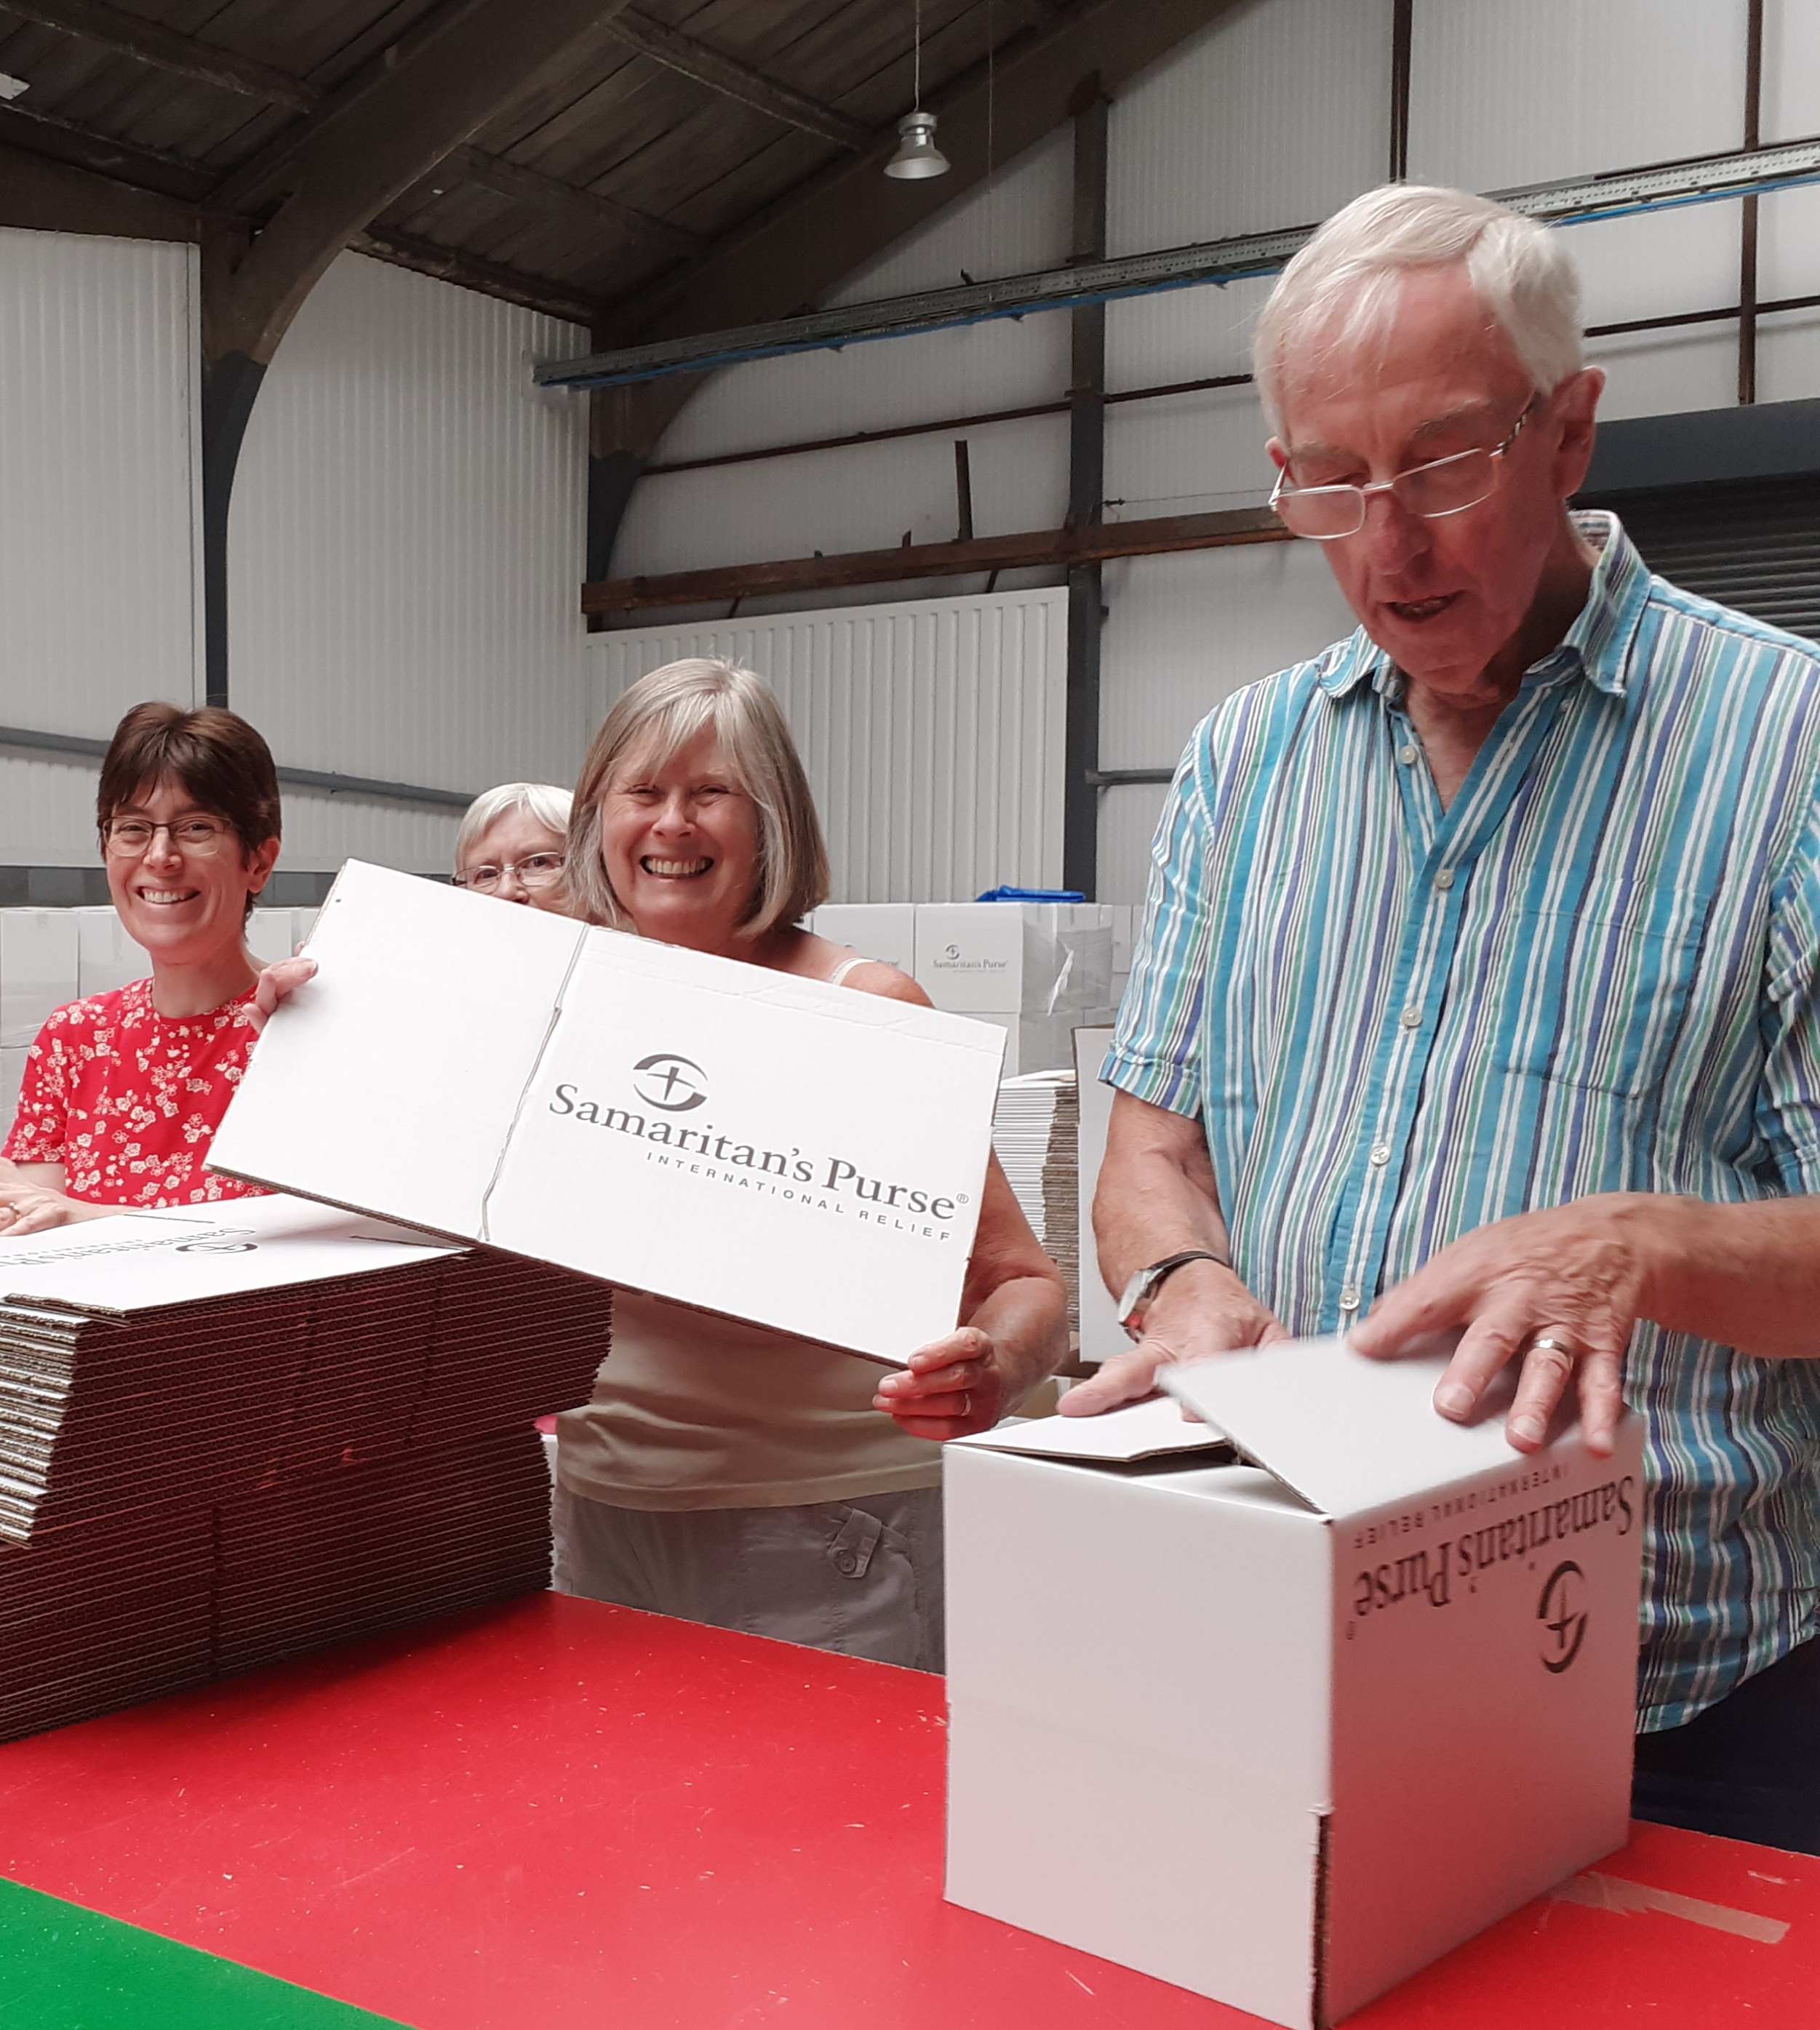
<point>1344,1432</point>
<point>1143,1431</point>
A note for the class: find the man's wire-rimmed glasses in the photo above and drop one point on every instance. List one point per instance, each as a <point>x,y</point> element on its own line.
<point>1443,486</point>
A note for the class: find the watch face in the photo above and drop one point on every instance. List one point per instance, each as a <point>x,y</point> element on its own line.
<point>1134,1295</point>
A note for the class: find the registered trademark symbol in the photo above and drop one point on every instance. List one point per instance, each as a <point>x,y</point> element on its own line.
<point>963,1199</point>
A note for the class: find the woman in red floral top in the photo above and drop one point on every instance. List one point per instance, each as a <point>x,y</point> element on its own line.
<point>124,1091</point>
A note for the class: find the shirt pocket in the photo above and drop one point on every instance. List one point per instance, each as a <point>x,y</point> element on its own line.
<point>1603,1003</point>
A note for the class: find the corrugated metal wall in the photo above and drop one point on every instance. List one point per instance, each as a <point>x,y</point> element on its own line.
<point>98,553</point>
<point>407,541</point>
<point>931,733</point>
<point>1274,117</point>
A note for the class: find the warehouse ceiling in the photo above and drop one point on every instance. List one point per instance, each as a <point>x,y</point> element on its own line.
<point>645,142</point>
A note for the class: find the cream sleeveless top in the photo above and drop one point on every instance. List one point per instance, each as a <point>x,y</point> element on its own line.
<point>691,1410</point>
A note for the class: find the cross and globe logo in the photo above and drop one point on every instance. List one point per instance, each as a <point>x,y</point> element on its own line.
<point>672,1084</point>
<point>1563,1616</point>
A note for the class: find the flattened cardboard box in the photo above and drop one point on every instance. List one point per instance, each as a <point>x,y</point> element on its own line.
<point>798,1155</point>
<point>1283,1727</point>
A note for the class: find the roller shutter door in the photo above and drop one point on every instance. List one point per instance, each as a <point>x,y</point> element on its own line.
<point>1754,545</point>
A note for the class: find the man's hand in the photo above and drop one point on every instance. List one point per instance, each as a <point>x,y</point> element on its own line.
<point>276,983</point>
<point>1201,1311</point>
<point>950,1390</point>
<point>1559,1291</point>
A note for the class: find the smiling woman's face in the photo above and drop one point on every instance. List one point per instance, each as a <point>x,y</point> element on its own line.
<point>679,844</point>
<point>183,900</point>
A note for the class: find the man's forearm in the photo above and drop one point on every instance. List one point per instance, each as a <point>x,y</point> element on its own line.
<point>1148,1208</point>
<point>1748,1276</point>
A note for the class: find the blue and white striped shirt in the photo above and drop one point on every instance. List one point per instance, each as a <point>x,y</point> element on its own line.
<point>1595,972</point>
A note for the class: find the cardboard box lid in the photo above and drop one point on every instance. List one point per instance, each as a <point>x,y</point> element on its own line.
<point>779,1149</point>
<point>1140,1431</point>
<point>136,1261</point>
<point>1346,1433</point>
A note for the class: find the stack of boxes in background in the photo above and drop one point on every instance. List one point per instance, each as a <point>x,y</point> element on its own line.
<point>1037,970</point>
<point>51,957</point>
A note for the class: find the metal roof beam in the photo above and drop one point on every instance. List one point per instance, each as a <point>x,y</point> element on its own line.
<point>1734,174</point>
<point>734,79</point>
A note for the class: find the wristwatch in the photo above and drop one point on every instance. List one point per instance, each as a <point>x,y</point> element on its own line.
<point>1145,1285</point>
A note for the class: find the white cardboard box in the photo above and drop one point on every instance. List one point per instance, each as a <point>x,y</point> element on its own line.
<point>38,971</point>
<point>886,930</point>
<point>776,1149</point>
<point>1285,1748</point>
<point>1030,958</point>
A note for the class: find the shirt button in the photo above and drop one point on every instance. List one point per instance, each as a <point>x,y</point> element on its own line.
<point>1445,878</point>
<point>1350,1297</point>
<point>1407,756</point>
<point>1412,1018</point>
<point>1380,1156</point>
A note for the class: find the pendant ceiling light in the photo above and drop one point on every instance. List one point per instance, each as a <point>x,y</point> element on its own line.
<point>917,152</point>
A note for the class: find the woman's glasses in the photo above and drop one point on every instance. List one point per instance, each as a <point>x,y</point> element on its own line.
<point>130,839</point>
<point>536,870</point>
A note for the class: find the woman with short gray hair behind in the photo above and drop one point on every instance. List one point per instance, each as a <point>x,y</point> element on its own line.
<point>511,845</point>
<point>722,1473</point>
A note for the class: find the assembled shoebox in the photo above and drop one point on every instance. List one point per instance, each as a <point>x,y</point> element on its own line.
<point>1284,1724</point>
<point>1015,958</point>
<point>795,1155</point>
<point>886,930</point>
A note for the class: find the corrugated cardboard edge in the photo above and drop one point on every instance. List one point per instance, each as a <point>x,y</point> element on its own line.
<point>1323,1879</point>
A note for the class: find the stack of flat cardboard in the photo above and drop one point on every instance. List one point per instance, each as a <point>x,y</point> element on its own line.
<point>1035,1131</point>
<point>232,1434</point>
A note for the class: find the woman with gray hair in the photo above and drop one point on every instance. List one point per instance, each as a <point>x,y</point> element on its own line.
<point>722,1473</point>
<point>512,844</point>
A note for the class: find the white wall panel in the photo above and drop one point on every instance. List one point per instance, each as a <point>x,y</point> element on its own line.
<point>932,734</point>
<point>1274,117</point>
<point>1505,92</point>
<point>1651,266</point>
<point>1188,631</point>
<point>1018,222</point>
<point>98,555</point>
<point>862,499</point>
<point>1188,455</point>
<point>1791,109</point>
<point>1667,373</point>
<point>1128,818</point>
<point>407,546</point>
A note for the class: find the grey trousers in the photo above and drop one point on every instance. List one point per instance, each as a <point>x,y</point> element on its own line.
<point>864,1577</point>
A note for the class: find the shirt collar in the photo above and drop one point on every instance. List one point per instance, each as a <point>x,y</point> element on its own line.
<point>1598,645</point>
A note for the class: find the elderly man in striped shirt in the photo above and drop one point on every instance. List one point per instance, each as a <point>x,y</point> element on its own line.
<point>1490,936</point>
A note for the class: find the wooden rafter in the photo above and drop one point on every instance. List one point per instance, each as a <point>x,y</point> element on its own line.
<point>734,79</point>
<point>167,50</point>
<point>1036,549</point>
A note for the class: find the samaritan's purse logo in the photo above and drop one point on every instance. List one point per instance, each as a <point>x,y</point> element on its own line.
<point>1563,1617</point>
<point>673,1084</point>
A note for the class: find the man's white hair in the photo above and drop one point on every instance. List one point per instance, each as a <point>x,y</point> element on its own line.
<point>543,802</point>
<point>1344,285</point>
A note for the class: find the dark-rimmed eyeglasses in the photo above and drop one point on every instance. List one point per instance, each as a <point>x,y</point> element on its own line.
<point>130,839</point>
<point>1443,486</point>
<point>536,870</point>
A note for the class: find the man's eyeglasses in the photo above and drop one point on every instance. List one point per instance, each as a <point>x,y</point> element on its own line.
<point>1443,486</point>
<point>536,870</point>
<point>130,839</point>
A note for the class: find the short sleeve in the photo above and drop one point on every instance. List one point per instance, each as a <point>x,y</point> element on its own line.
<point>1156,1053</point>
<point>1788,1097</point>
<point>40,1124</point>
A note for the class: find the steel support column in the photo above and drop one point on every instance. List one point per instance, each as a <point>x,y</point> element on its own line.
<point>1086,493</point>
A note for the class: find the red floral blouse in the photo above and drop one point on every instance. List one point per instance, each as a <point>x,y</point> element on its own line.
<point>127,1101</point>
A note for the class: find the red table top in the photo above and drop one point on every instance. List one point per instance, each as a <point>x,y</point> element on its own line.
<point>559,1814</point>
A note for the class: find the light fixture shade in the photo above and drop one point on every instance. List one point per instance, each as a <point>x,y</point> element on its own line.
<point>917,152</point>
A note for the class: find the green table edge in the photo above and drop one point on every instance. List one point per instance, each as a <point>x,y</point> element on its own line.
<point>63,1968</point>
